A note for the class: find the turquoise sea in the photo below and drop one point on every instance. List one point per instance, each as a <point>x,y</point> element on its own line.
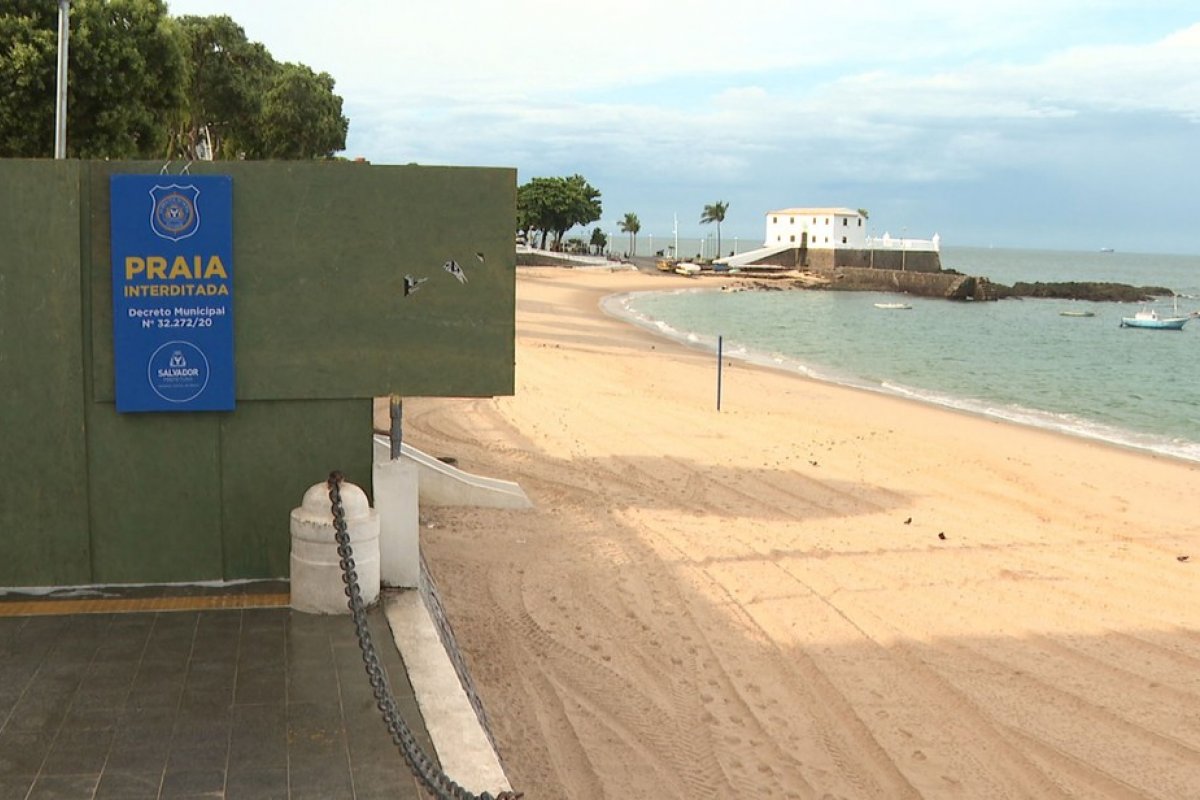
<point>1018,360</point>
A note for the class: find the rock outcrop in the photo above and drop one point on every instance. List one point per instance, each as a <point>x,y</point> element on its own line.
<point>951,285</point>
<point>1084,290</point>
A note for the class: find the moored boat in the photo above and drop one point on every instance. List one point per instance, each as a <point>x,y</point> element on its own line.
<point>1077,313</point>
<point>894,306</point>
<point>1149,318</point>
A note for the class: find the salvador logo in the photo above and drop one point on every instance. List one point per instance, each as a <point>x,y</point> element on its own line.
<point>174,214</point>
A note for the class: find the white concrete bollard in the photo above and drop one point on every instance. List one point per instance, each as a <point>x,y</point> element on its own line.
<point>316,579</point>
<point>396,500</point>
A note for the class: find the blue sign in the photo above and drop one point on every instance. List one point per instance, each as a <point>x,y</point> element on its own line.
<point>172,276</point>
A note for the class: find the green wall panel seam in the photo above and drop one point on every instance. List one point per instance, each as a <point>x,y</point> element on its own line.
<point>83,191</point>
<point>221,525</point>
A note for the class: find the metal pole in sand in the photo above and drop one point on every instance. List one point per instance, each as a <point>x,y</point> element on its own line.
<point>720,348</point>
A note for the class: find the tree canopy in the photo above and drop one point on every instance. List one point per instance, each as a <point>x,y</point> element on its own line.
<point>142,84</point>
<point>28,43</point>
<point>126,78</point>
<point>631,225</point>
<point>599,240</point>
<point>301,116</point>
<point>229,76</point>
<point>715,213</point>
<point>554,205</point>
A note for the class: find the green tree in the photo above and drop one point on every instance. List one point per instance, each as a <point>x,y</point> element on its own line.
<point>599,240</point>
<point>526,222</point>
<point>126,75</point>
<point>301,116</point>
<point>144,85</point>
<point>631,225</point>
<point>863,213</point>
<point>533,198</point>
<point>715,213</point>
<point>228,77</point>
<point>554,205</point>
<point>27,73</point>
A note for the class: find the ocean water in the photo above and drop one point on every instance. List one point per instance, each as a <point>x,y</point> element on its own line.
<point>1017,360</point>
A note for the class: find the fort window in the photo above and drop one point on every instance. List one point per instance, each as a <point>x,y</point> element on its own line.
<point>845,222</point>
<point>793,237</point>
<point>843,240</point>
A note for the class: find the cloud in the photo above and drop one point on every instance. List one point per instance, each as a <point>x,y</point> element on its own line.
<point>475,48</point>
<point>772,102</point>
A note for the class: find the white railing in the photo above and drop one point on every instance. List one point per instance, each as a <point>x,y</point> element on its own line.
<point>886,242</point>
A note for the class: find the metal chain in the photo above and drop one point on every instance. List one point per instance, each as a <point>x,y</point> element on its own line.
<point>423,767</point>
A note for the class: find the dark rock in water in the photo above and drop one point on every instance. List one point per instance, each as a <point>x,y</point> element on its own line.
<point>949,284</point>
<point>1084,290</point>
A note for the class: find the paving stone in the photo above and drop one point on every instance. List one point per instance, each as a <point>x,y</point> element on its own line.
<point>255,704</point>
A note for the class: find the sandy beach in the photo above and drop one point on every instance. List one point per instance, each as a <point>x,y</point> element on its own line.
<point>816,592</point>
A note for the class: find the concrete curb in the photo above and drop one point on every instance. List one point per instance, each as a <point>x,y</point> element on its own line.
<point>463,747</point>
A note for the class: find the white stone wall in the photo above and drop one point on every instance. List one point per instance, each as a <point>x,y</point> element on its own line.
<point>827,228</point>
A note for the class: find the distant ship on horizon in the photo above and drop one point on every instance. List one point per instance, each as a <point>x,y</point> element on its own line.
<point>1106,250</point>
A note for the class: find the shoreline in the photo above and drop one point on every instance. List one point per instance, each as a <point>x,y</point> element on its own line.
<point>816,591</point>
<point>1160,445</point>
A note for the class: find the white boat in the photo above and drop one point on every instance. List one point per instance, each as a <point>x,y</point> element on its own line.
<point>894,306</point>
<point>1149,318</point>
<point>687,268</point>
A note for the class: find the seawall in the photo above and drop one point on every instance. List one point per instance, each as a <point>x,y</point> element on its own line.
<point>949,285</point>
<point>916,272</point>
<point>823,259</point>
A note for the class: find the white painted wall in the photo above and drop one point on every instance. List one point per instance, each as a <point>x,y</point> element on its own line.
<point>827,228</point>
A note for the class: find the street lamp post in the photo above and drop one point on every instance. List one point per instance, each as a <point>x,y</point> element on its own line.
<point>60,107</point>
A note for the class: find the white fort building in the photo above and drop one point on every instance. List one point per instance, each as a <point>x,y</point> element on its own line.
<point>827,237</point>
<point>833,229</point>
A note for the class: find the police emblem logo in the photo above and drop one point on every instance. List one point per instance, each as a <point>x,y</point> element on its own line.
<point>174,214</point>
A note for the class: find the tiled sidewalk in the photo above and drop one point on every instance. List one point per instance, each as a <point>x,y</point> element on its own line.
<point>254,703</point>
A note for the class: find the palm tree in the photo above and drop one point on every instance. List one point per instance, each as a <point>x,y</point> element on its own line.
<point>631,225</point>
<point>599,241</point>
<point>715,213</point>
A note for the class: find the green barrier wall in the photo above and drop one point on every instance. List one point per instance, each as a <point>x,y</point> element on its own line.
<point>321,326</point>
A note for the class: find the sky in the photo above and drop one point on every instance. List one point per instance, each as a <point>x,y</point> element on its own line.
<point>1061,124</point>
